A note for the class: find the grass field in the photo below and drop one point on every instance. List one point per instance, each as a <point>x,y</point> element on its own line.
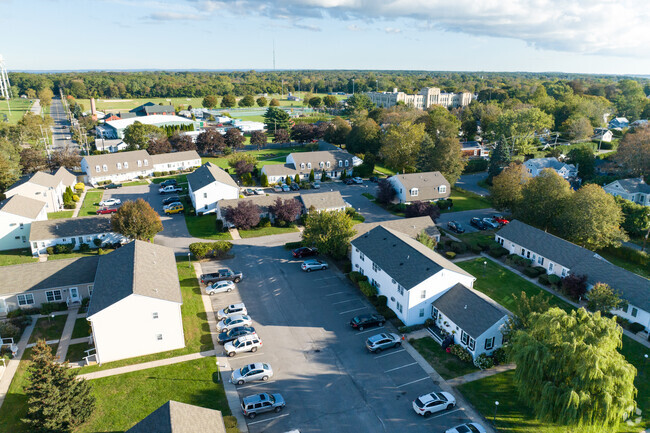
<point>77,352</point>
<point>16,257</point>
<point>266,231</point>
<point>48,328</point>
<point>644,271</point>
<point>81,328</point>
<point>475,237</point>
<point>465,200</point>
<point>125,399</point>
<point>446,364</point>
<point>18,108</point>
<point>60,215</point>
<point>180,178</point>
<point>76,254</point>
<point>91,203</point>
<point>204,227</point>
<point>264,156</point>
<point>136,183</point>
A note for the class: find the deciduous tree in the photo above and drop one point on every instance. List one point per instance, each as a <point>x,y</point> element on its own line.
<point>45,96</point>
<point>262,101</point>
<point>543,200</point>
<point>274,103</point>
<point>578,128</point>
<point>400,146</point>
<point>285,210</point>
<point>364,137</point>
<point>330,101</point>
<point>32,160</point>
<point>136,220</point>
<point>519,127</point>
<point>65,157</point>
<point>602,298</point>
<point>636,217</point>
<point>302,132</point>
<point>182,143</point>
<point>330,232</point>
<point>247,101</point>
<point>337,131</point>
<point>157,146</point>
<point>634,152</point>
<point>281,136</point>
<point>442,154</point>
<point>243,216</point>
<point>138,135</point>
<point>358,102</point>
<point>228,101</point>
<point>421,208</point>
<point>210,142</point>
<point>234,138</point>
<point>385,191</point>
<point>259,139</point>
<point>583,158</point>
<point>210,101</point>
<point>242,163</point>
<point>507,187</point>
<point>574,286</point>
<point>315,101</point>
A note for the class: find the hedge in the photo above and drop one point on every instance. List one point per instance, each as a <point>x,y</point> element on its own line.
<point>367,288</point>
<point>450,254</point>
<point>635,327</point>
<point>460,352</point>
<point>476,165</point>
<point>629,255</point>
<point>292,245</point>
<point>458,247</point>
<point>497,251</point>
<point>217,250</point>
<point>554,279</point>
<point>543,279</point>
<point>50,307</point>
<point>356,277</point>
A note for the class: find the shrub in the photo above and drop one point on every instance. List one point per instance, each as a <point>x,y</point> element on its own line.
<point>531,272</point>
<point>97,242</point>
<point>475,249</point>
<point>50,250</point>
<point>292,245</point>
<point>554,279</point>
<point>62,249</point>
<point>101,252</point>
<point>407,329</point>
<point>387,312</point>
<point>79,187</point>
<point>630,255</point>
<point>51,307</point>
<point>458,247</point>
<point>355,277</point>
<point>459,351</point>
<point>21,312</point>
<point>497,251</point>
<point>9,330</point>
<point>635,327</point>
<point>367,289</point>
<point>540,270</point>
<point>84,247</point>
<point>347,267</point>
<point>483,361</point>
<point>382,301</point>
<point>264,222</point>
<point>476,165</point>
<point>216,250</point>
<point>69,205</point>
<point>75,198</point>
<point>543,279</point>
<point>450,254</point>
<point>500,356</point>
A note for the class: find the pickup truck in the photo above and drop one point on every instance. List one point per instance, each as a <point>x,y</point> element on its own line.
<point>106,210</point>
<point>170,189</point>
<point>221,275</point>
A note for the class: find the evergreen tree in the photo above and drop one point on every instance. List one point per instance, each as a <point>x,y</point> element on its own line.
<point>499,160</point>
<point>311,175</point>
<point>297,178</point>
<point>264,180</point>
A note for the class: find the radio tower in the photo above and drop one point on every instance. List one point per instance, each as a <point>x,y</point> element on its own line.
<point>4,81</point>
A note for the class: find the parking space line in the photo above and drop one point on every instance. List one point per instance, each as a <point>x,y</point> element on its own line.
<point>446,413</point>
<point>414,381</point>
<point>391,353</point>
<point>247,356</point>
<point>349,300</point>
<point>356,309</point>
<point>397,368</point>
<point>268,419</point>
<point>370,330</point>
<point>325,278</point>
<point>337,293</point>
<point>252,385</point>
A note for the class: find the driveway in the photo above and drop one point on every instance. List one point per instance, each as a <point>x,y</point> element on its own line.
<point>469,182</point>
<point>464,217</point>
<point>322,369</point>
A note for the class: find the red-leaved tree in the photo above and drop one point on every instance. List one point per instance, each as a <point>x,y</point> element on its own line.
<point>244,216</point>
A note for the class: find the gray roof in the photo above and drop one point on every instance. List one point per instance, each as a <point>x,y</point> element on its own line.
<point>39,178</point>
<point>208,173</point>
<point>65,176</point>
<point>323,200</point>
<point>634,185</point>
<point>406,260</point>
<point>163,158</point>
<point>263,201</point>
<point>550,162</point>
<point>111,160</point>
<point>138,268</point>
<point>175,417</point>
<point>22,206</point>
<point>103,144</point>
<point>471,310</point>
<point>409,226</point>
<point>280,170</point>
<point>48,275</point>
<point>550,246</point>
<point>323,156</point>
<point>69,227</point>
<point>426,183</point>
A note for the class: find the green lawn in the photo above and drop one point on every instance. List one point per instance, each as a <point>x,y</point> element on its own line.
<point>112,105</point>
<point>384,170</point>
<point>60,215</point>
<point>264,156</point>
<point>47,328</point>
<point>465,200</point>
<point>76,254</point>
<point>91,203</point>
<point>635,355</point>
<point>77,352</point>
<point>644,271</point>
<point>125,399</point>
<point>18,106</point>
<point>204,227</point>
<point>180,178</point>
<point>15,405</point>
<point>446,364</point>
<point>473,239</point>
<point>195,325</point>
<point>16,257</point>
<point>499,283</point>
<point>266,231</point>
<point>368,196</point>
<point>136,183</point>
<point>81,328</point>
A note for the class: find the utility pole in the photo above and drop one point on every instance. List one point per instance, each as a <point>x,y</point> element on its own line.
<point>353,86</point>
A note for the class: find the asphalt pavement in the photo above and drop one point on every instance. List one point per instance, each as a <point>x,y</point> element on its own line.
<point>61,126</point>
<point>464,217</point>
<point>469,182</point>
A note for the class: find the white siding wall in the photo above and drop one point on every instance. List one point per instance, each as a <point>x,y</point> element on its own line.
<point>9,302</point>
<point>128,328</point>
<point>642,316</point>
<point>401,191</point>
<point>12,234</point>
<point>479,342</point>
<point>40,246</point>
<point>550,266</point>
<point>53,197</point>
<point>205,199</point>
<point>177,165</point>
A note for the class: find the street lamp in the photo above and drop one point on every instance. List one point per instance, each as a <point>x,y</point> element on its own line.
<point>496,405</point>
<point>353,86</point>
<point>484,266</point>
<point>189,261</point>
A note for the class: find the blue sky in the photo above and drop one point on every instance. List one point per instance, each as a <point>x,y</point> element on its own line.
<point>587,36</point>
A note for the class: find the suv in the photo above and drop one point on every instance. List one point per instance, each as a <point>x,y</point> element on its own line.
<point>260,403</point>
<point>478,223</point>
<point>379,342</point>
<point>169,189</point>
<point>313,265</point>
<point>357,180</point>
<point>232,310</point>
<point>221,275</point>
<point>367,320</point>
<point>427,404</point>
<point>490,223</point>
<point>455,226</point>
<point>171,199</point>
<point>174,208</point>
<point>169,182</point>
<point>251,372</point>
<point>233,321</point>
<point>231,335</point>
<point>304,252</point>
<point>245,343</point>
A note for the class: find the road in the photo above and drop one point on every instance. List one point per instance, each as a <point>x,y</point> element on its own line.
<point>469,182</point>
<point>61,127</point>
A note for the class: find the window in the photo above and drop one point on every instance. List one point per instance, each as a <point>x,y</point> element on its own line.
<point>523,252</point>
<point>22,225</point>
<point>489,343</point>
<point>27,299</point>
<point>328,164</point>
<point>399,307</point>
<point>540,260</point>
<point>464,337</point>
<point>362,257</point>
<point>155,315</point>
<point>400,289</point>
<point>119,166</point>
<point>340,163</point>
<point>126,164</point>
<point>205,207</point>
<point>375,267</point>
<point>414,192</point>
<point>564,272</point>
<point>146,162</point>
<point>90,289</point>
<point>423,295</point>
<point>302,165</point>
<point>528,254</point>
<point>347,163</point>
<point>442,189</point>
<point>550,267</point>
<point>53,295</point>
<point>421,312</point>
<point>321,165</point>
<point>105,167</point>
<point>24,239</point>
<point>159,337</point>
<point>205,195</point>
<point>98,168</point>
<point>435,314</point>
<point>139,163</point>
<point>471,345</point>
<point>634,312</point>
<point>309,165</point>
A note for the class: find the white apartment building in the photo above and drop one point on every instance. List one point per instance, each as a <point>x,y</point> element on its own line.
<point>427,97</point>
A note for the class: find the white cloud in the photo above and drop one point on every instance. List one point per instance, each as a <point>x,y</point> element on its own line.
<point>173,16</point>
<point>392,30</point>
<point>582,26</point>
<point>354,28</point>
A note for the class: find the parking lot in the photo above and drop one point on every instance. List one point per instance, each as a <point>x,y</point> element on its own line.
<point>321,366</point>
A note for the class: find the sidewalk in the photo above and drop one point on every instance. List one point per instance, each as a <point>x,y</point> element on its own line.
<point>12,365</point>
<point>66,335</point>
<point>79,203</point>
<point>481,374</point>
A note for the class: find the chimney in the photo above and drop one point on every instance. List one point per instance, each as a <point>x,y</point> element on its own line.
<point>93,109</point>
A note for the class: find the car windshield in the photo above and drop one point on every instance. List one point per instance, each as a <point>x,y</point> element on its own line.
<point>356,320</point>
<point>419,403</point>
<point>237,343</point>
<point>244,370</point>
<point>271,399</point>
<point>440,396</point>
<point>227,321</point>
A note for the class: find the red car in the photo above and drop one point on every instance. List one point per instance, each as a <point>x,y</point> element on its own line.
<point>304,252</point>
<point>499,219</point>
<point>106,210</point>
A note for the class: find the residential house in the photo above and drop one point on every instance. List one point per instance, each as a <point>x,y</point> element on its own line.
<point>535,167</point>
<point>16,217</point>
<point>323,201</point>
<point>413,278</point>
<point>634,189</point>
<point>264,202</point>
<point>40,186</point>
<point>150,109</point>
<point>110,145</point>
<point>427,186</point>
<point>75,231</point>
<point>619,123</point>
<point>639,123</point>
<point>603,134</point>
<point>207,185</point>
<point>561,257</point>
<point>135,308</point>
<point>175,417</point>
<point>30,285</point>
<point>474,149</point>
<point>67,179</point>
<point>331,162</point>
<point>411,227</point>
<point>176,161</point>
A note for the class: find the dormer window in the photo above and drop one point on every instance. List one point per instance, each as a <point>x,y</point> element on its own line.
<point>146,162</point>
<point>139,163</point>
<point>302,166</point>
<point>126,164</point>
<point>414,192</point>
<point>340,163</point>
<point>105,167</point>
<point>328,164</point>
<point>321,164</point>
<point>442,189</point>
<point>309,165</point>
<point>119,166</point>
<point>347,163</point>
<point>98,168</point>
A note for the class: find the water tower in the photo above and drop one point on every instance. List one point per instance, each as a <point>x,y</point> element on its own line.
<point>4,80</point>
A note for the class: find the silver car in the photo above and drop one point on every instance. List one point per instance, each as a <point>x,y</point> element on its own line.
<point>231,310</point>
<point>233,321</point>
<point>379,342</point>
<point>491,223</point>
<point>252,372</point>
<point>220,287</point>
<point>313,265</point>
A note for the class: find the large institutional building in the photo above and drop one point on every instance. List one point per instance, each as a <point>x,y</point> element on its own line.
<point>427,97</point>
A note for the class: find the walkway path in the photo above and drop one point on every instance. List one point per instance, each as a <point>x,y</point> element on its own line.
<point>481,374</point>
<point>66,335</point>
<point>79,204</point>
<point>36,107</point>
<point>12,365</point>
<point>234,233</point>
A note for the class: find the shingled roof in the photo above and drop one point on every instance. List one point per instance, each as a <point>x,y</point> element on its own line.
<point>22,206</point>
<point>411,227</point>
<point>39,178</point>
<point>48,275</point>
<point>164,158</point>
<point>175,417</point>
<point>208,173</point>
<point>69,227</point>
<point>138,268</point>
<point>323,200</point>
<point>426,183</point>
<point>634,185</point>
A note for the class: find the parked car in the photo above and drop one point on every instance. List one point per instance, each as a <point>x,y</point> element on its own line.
<point>252,372</point>
<point>173,208</point>
<point>168,182</point>
<point>374,179</point>
<point>233,333</point>
<point>478,223</point>
<point>304,252</point>
<point>113,186</point>
<point>434,402</point>
<point>233,321</point>
<point>313,265</point>
<point>169,189</point>
<point>490,223</point>
<point>246,343</point>
<point>315,185</point>
<point>366,321</point>
<point>222,275</point>
<point>231,310</point>
<point>348,181</point>
<point>249,191</point>
<point>455,226</point>
<point>294,187</point>
<point>379,342</point>
<point>171,199</point>
<point>357,180</point>
<point>259,191</point>
<point>470,427</point>
<point>277,188</point>
<point>220,287</point>
<point>500,219</point>
<point>106,210</point>
<point>253,405</point>
<point>286,188</point>
<point>110,202</point>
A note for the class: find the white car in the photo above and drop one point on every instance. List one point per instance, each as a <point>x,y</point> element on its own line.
<point>231,310</point>
<point>233,321</point>
<point>246,343</point>
<point>220,287</point>
<point>470,427</point>
<point>286,188</point>
<point>491,223</point>
<point>259,191</point>
<point>434,402</point>
<point>251,372</point>
<point>110,202</point>
<point>357,180</point>
<point>277,188</point>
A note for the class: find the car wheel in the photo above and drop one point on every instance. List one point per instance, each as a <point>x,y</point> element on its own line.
<point>377,350</point>
<point>240,382</point>
<point>254,349</point>
<point>251,415</point>
<point>229,289</point>
<point>380,324</point>
<point>231,354</point>
<point>278,409</point>
<point>308,269</point>
<point>425,414</point>
<point>324,268</point>
<point>237,280</point>
<point>449,406</point>
<point>398,344</point>
<point>265,378</point>
<point>360,328</point>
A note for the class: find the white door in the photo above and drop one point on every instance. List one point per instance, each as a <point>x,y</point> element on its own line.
<point>74,295</point>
